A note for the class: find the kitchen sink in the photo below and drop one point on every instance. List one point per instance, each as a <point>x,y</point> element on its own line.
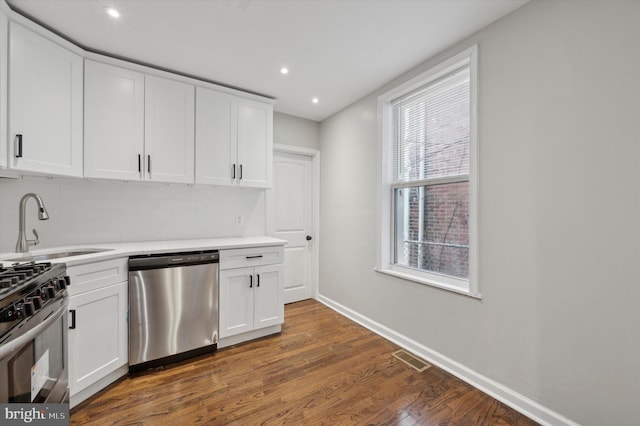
<point>56,255</point>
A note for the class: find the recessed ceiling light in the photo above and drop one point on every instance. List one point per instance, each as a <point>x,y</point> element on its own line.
<point>284,70</point>
<point>113,12</point>
<point>315,100</point>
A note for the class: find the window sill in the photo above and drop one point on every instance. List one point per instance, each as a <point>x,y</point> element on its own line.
<point>431,283</point>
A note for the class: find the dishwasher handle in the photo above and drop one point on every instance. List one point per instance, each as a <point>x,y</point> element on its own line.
<point>171,260</point>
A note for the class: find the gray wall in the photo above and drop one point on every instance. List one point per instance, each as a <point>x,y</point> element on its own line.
<point>290,130</point>
<point>559,133</point>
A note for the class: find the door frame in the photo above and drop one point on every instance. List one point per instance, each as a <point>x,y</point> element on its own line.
<point>315,245</point>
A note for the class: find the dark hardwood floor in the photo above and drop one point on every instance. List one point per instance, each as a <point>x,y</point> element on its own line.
<point>322,369</point>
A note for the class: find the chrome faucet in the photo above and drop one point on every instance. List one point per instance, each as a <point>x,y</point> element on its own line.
<point>22,246</point>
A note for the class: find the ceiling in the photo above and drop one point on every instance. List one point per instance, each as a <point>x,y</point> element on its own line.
<point>335,50</point>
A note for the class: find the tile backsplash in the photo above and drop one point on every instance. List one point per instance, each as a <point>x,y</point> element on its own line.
<point>92,212</point>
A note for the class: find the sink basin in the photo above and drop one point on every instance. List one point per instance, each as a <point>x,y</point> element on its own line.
<point>55,255</point>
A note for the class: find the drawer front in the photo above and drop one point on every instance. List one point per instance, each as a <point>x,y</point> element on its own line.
<point>92,276</point>
<point>255,256</point>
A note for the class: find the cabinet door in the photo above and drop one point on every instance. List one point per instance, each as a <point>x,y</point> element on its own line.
<point>4,36</point>
<point>169,130</point>
<point>45,105</point>
<point>113,122</point>
<point>268,301</point>
<point>255,143</point>
<point>216,137</point>
<point>98,343</point>
<point>236,301</point>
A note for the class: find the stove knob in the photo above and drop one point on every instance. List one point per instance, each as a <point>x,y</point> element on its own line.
<point>29,308</point>
<point>37,302</point>
<point>67,280</point>
<point>18,311</point>
<point>50,291</point>
<point>60,284</point>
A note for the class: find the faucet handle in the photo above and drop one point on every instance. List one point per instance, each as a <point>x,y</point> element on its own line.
<point>36,241</point>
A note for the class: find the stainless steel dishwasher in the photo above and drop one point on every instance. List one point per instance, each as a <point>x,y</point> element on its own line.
<point>173,307</point>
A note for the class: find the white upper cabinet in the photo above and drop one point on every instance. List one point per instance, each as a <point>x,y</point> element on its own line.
<point>216,137</point>
<point>255,143</point>
<point>169,130</point>
<point>234,140</point>
<point>4,36</point>
<point>67,112</point>
<point>138,127</point>
<point>45,105</point>
<point>113,122</point>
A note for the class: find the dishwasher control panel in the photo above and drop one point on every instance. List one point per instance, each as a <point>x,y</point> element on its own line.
<point>168,260</point>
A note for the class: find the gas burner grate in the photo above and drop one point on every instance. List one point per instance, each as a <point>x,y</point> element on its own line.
<point>18,274</point>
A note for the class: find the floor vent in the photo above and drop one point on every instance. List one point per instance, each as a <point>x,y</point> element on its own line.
<point>412,361</point>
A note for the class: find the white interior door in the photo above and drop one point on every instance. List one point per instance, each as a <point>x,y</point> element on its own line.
<point>290,217</point>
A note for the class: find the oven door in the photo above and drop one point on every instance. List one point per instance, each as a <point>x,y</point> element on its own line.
<point>33,359</point>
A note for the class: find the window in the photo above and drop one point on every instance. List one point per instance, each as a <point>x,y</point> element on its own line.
<point>429,189</point>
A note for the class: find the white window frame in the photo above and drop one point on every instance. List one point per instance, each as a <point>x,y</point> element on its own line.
<point>385,231</point>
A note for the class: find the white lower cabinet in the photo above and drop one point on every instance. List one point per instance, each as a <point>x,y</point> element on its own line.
<point>268,305</point>
<point>98,344</point>
<point>98,340</point>
<point>250,296</point>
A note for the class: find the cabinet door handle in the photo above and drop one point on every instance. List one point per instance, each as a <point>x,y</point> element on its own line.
<point>250,281</point>
<point>139,163</point>
<point>258,276</point>
<point>240,171</point>
<point>19,148</point>
<point>149,164</point>
<point>234,172</point>
<point>73,319</point>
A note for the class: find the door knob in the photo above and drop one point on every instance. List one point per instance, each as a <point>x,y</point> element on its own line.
<point>308,237</point>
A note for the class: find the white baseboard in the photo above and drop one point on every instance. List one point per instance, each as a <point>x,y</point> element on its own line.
<point>513,399</point>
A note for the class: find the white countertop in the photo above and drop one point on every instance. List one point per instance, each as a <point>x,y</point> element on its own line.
<point>119,250</point>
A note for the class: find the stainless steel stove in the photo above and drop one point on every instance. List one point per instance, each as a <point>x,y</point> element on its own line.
<point>33,333</point>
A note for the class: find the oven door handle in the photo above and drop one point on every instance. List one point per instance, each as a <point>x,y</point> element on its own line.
<point>10,346</point>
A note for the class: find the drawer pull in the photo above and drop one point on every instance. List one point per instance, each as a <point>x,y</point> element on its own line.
<point>254,257</point>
